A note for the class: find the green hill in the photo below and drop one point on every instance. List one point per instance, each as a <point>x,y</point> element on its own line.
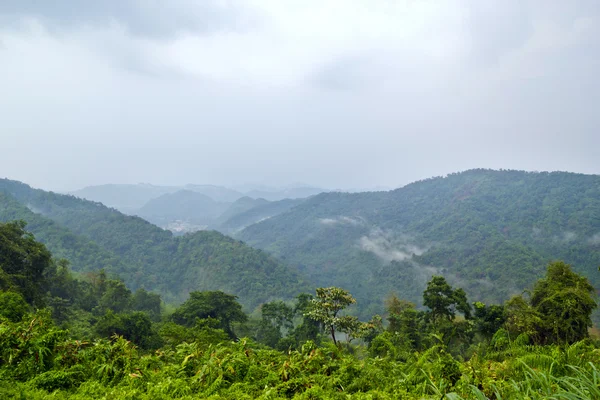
<point>238,221</point>
<point>183,205</point>
<point>491,232</point>
<point>145,255</point>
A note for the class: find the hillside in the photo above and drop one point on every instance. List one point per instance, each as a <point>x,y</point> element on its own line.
<point>147,255</point>
<point>184,205</point>
<point>492,232</point>
<point>125,198</point>
<point>240,206</point>
<point>238,221</point>
<point>288,193</point>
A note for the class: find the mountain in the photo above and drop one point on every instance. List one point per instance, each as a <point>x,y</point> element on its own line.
<point>129,198</point>
<point>288,193</point>
<point>145,255</point>
<point>260,212</point>
<point>193,208</point>
<point>124,197</point>
<point>490,232</point>
<point>240,206</point>
<point>217,193</point>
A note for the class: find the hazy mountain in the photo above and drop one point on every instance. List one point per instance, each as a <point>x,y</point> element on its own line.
<point>491,232</point>
<point>256,214</point>
<point>124,197</point>
<point>184,205</point>
<point>217,193</point>
<point>287,193</point>
<point>143,254</point>
<point>238,207</point>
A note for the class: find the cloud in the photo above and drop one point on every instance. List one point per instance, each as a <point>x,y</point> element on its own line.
<point>337,93</point>
<point>595,239</point>
<point>342,220</point>
<point>150,18</point>
<point>390,247</point>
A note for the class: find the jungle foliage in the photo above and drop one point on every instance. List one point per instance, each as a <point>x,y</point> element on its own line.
<point>490,232</point>
<point>87,337</point>
<point>94,237</point>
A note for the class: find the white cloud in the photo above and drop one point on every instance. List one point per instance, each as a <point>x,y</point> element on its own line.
<point>334,92</point>
<point>390,247</point>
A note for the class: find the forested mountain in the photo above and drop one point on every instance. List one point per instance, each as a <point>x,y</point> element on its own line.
<point>492,232</point>
<point>143,254</point>
<point>184,205</point>
<point>240,206</point>
<point>67,338</point>
<point>241,219</point>
<point>194,207</point>
<point>289,193</point>
<point>125,198</point>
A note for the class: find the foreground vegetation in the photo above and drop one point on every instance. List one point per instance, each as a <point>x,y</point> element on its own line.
<point>66,337</point>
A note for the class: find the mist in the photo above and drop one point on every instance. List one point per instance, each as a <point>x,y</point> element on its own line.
<point>336,94</point>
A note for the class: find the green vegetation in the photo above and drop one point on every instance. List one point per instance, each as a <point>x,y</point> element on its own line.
<point>66,338</point>
<point>93,237</point>
<point>489,232</point>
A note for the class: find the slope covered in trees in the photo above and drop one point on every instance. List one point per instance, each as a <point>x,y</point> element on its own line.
<point>65,338</point>
<point>492,232</point>
<point>145,255</point>
<point>183,205</point>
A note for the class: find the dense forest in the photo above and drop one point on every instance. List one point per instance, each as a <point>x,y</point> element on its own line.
<point>92,237</point>
<point>89,336</point>
<point>491,232</point>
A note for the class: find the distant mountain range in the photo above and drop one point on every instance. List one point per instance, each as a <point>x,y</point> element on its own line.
<point>489,232</point>
<point>193,207</point>
<point>92,236</point>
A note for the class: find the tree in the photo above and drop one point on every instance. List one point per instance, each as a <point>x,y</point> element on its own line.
<point>12,306</point>
<point>276,316</point>
<point>326,306</point>
<point>218,305</point>
<point>564,300</point>
<point>443,301</point>
<point>116,297</point>
<point>488,319</point>
<point>24,263</point>
<point>146,301</point>
<point>309,329</point>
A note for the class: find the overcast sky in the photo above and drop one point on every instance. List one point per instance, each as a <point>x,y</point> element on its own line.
<point>335,93</point>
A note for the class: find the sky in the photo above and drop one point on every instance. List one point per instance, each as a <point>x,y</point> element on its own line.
<point>332,93</point>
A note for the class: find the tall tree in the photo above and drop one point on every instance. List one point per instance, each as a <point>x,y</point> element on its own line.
<point>326,306</point>
<point>25,264</point>
<point>565,302</point>
<point>217,305</point>
<point>443,301</point>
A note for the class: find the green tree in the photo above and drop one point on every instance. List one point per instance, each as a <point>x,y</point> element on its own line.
<point>12,306</point>
<point>116,297</point>
<point>443,301</point>
<point>488,319</point>
<point>146,301</point>
<point>277,317</point>
<point>218,305</point>
<point>565,302</point>
<point>326,307</point>
<point>24,263</point>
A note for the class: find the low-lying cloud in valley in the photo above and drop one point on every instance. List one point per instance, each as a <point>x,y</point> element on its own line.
<point>390,247</point>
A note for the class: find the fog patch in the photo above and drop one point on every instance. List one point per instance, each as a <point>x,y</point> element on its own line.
<point>389,247</point>
<point>342,220</point>
<point>595,239</point>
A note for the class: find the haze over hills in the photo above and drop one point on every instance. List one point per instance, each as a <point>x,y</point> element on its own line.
<point>491,232</point>
<point>194,207</point>
<point>94,236</point>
